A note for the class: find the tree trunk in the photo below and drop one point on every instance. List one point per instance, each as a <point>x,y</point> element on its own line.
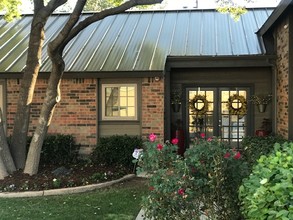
<point>22,117</point>
<point>51,99</point>
<point>3,172</point>
<point>4,150</point>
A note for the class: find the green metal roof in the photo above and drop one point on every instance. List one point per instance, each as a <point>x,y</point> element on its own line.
<point>137,41</point>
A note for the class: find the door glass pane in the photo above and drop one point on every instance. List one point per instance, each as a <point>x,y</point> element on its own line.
<point>233,116</point>
<point>224,115</point>
<point>200,113</point>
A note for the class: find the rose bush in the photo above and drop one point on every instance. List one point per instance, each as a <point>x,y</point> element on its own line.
<point>205,181</point>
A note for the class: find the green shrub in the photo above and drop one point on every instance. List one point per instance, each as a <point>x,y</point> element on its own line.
<point>116,150</point>
<point>205,180</point>
<point>58,149</point>
<point>254,147</point>
<point>268,192</point>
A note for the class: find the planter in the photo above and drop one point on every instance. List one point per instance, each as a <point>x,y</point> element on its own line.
<point>261,133</point>
<point>261,108</point>
<point>176,107</point>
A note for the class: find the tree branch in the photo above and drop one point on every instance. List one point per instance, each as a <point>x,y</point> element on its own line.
<point>105,13</point>
<point>73,19</point>
<point>53,5</point>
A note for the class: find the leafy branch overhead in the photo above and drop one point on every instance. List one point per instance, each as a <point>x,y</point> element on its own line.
<point>232,7</point>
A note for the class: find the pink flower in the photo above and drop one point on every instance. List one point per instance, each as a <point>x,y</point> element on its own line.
<point>209,139</point>
<point>174,141</point>
<point>181,191</point>
<point>237,156</point>
<point>227,155</point>
<point>152,137</point>
<point>160,147</point>
<point>151,188</point>
<point>202,135</point>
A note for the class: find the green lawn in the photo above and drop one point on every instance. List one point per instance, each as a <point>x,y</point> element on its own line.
<point>120,202</point>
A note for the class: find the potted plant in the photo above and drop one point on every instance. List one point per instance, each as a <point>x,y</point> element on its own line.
<point>261,101</point>
<point>176,97</point>
<point>265,129</point>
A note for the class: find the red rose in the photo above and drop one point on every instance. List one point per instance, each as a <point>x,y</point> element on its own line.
<point>160,147</point>
<point>237,156</point>
<point>174,141</point>
<point>227,155</point>
<point>181,191</point>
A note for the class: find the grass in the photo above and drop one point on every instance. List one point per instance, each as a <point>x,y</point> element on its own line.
<point>121,202</point>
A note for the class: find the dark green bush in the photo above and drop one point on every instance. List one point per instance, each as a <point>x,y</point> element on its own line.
<point>58,149</point>
<point>254,147</point>
<point>116,150</point>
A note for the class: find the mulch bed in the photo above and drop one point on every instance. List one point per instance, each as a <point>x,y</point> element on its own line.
<point>53,177</point>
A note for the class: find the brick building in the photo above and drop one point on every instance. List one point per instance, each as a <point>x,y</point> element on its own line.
<point>121,73</point>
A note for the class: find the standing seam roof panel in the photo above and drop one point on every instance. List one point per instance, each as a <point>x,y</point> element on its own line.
<point>131,52</point>
<point>97,40</point>
<point>163,42</point>
<point>180,34</point>
<point>139,41</point>
<point>194,47</point>
<point>144,48</point>
<point>223,40</point>
<point>118,50</point>
<point>128,42</point>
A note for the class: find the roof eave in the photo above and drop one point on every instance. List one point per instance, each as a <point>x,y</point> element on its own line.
<point>220,61</point>
<point>281,8</point>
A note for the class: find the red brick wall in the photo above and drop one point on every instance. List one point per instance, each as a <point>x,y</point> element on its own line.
<point>153,107</point>
<point>282,43</point>
<point>76,114</point>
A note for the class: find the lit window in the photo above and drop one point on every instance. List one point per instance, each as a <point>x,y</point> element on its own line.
<point>119,101</point>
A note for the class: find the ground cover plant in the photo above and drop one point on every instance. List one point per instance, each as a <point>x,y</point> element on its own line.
<point>106,204</point>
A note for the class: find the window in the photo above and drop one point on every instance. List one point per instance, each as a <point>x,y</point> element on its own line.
<point>119,101</point>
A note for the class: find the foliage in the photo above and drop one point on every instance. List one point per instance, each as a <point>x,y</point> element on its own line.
<point>261,99</point>
<point>94,5</point>
<point>106,204</point>
<point>58,149</point>
<point>206,179</point>
<point>268,192</point>
<point>241,105</point>
<point>11,8</point>
<point>232,7</point>
<point>194,105</point>
<point>254,147</point>
<point>176,96</point>
<point>115,150</point>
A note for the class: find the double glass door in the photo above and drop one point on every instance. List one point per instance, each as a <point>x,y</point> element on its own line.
<point>220,112</point>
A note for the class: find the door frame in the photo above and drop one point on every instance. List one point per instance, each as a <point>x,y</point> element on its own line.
<point>217,88</point>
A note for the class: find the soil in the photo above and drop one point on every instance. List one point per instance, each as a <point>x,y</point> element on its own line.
<point>53,177</point>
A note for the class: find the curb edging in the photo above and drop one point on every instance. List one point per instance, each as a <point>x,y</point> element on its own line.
<point>64,191</point>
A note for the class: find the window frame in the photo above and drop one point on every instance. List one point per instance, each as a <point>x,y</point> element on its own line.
<point>119,118</point>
